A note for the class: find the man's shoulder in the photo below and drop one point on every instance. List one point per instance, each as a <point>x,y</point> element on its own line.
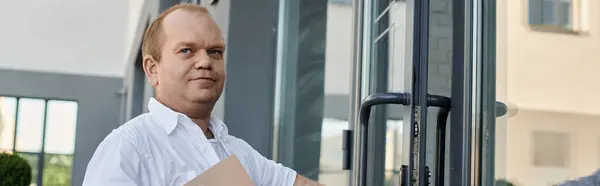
<point>134,131</point>
<point>239,145</point>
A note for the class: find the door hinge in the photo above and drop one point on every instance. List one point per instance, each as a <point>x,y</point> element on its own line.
<point>347,149</point>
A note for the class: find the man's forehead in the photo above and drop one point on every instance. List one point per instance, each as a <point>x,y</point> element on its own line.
<point>183,21</point>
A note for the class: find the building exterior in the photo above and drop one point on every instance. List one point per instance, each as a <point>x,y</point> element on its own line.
<point>547,69</point>
<point>292,81</point>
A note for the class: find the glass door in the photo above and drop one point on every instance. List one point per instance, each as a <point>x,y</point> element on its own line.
<point>401,79</point>
<point>423,57</point>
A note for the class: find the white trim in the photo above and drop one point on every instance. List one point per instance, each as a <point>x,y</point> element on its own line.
<point>148,12</point>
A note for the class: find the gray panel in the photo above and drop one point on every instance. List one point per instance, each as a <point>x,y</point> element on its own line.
<point>342,2</point>
<point>251,72</point>
<point>139,88</point>
<point>98,105</point>
<point>165,4</point>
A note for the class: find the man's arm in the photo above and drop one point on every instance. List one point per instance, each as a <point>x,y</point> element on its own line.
<point>271,173</point>
<point>303,181</point>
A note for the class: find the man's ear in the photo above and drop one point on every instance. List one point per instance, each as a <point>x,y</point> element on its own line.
<point>150,66</point>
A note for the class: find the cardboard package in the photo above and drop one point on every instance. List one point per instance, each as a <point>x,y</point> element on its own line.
<point>228,172</point>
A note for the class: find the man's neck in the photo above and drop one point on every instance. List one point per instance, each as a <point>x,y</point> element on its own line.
<point>204,125</point>
<point>199,113</point>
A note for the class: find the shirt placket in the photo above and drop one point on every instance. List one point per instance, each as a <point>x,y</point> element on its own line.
<point>202,145</point>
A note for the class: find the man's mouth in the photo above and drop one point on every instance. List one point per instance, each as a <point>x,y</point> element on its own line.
<point>203,78</point>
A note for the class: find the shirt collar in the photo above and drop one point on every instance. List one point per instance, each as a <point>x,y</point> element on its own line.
<point>169,119</point>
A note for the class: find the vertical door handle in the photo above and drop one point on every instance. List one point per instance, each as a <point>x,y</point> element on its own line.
<point>444,103</point>
<point>364,116</point>
<point>442,117</point>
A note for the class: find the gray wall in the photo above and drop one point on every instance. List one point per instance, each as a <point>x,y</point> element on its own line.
<point>98,105</point>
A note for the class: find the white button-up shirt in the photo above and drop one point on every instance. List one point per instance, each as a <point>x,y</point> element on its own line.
<point>164,147</point>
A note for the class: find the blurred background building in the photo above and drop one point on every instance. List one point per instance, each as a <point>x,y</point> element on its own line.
<point>70,73</point>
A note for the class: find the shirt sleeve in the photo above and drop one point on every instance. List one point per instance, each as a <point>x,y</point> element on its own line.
<point>270,172</point>
<point>590,180</point>
<point>116,162</point>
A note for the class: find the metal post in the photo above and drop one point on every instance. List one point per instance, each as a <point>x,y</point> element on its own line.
<point>362,37</point>
<point>488,91</point>
<point>463,55</point>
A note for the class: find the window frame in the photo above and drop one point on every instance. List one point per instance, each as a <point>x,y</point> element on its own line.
<point>574,25</point>
<point>41,154</point>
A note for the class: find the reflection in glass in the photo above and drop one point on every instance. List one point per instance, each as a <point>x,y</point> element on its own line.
<point>60,127</point>
<point>30,125</point>
<point>58,169</point>
<point>390,53</point>
<point>549,12</point>
<point>33,159</point>
<point>313,87</point>
<point>8,111</point>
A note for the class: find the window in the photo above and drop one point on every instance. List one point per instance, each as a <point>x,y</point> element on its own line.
<point>43,132</point>
<point>553,13</point>
<point>550,149</point>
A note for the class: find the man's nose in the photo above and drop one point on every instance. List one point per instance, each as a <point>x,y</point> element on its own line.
<point>203,61</point>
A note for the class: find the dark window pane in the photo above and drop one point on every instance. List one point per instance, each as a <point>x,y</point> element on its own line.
<point>58,169</point>
<point>548,12</point>
<point>550,149</point>
<point>535,12</point>
<point>565,13</point>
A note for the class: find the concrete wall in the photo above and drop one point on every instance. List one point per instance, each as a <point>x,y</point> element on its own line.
<point>64,36</point>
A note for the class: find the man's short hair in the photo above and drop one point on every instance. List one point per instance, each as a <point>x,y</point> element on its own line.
<point>152,41</point>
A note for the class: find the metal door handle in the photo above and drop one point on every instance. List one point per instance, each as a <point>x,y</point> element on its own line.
<point>440,145</point>
<point>444,103</point>
<point>364,116</point>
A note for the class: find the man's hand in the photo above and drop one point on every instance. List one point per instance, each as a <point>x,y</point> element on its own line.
<point>303,181</point>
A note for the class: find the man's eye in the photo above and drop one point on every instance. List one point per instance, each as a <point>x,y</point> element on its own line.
<point>218,52</point>
<point>185,51</point>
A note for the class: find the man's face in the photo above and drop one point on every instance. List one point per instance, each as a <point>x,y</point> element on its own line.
<point>192,66</point>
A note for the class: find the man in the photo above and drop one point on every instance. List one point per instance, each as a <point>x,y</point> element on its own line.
<point>178,139</point>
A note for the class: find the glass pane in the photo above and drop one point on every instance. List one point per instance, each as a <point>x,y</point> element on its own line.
<point>60,127</point>
<point>33,159</point>
<point>8,111</point>
<point>549,12</point>
<point>439,77</point>
<point>565,13</point>
<point>313,83</point>
<point>535,11</point>
<point>58,169</point>
<point>390,46</point>
<point>548,80</point>
<point>30,125</point>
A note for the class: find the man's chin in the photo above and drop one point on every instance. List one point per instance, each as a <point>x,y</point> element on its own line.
<point>204,98</point>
